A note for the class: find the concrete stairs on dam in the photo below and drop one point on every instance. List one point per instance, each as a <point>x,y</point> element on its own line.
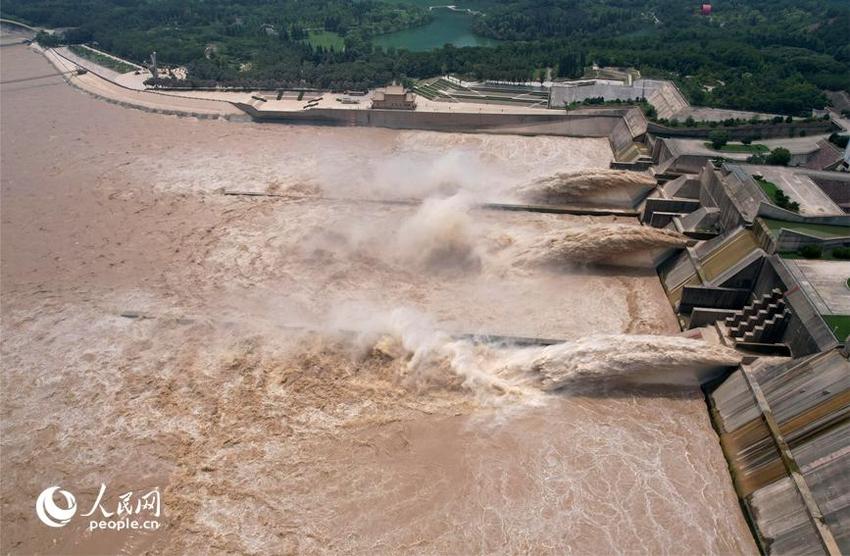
<point>763,321</point>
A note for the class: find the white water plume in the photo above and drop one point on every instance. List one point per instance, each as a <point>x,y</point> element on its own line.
<point>619,359</point>
<point>600,242</point>
<point>498,372</point>
<point>440,236</point>
<point>582,185</point>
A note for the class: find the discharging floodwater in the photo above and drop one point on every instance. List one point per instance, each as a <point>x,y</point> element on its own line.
<point>295,385</point>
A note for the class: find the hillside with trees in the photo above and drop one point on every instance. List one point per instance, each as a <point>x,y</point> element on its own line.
<point>776,56</point>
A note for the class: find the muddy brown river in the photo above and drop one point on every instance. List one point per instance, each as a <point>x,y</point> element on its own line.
<point>291,373</point>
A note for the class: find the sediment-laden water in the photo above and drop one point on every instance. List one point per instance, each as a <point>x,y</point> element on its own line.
<point>594,185</point>
<point>605,243</point>
<point>294,373</point>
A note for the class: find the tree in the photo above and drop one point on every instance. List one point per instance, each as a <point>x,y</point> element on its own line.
<point>811,251</point>
<point>47,40</point>
<point>839,141</point>
<point>718,138</point>
<point>779,156</point>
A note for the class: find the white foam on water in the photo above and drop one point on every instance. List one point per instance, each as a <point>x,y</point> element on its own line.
<point>580,185</point>
<point>597,243</point>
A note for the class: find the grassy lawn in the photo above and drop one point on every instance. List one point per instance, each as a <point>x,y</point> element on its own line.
<point>101,60</point>
<point>739,148</point>
<point>327,40</point>
<point>768,187</point>
<point>839,324</point>
<point>826,255</point>
<point>818,230</point>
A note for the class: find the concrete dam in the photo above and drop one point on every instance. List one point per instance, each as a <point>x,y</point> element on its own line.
<point>622,126</point>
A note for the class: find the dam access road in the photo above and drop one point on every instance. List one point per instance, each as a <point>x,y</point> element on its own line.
<point>285,370</point>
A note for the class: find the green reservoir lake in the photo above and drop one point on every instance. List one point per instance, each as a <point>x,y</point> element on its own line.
<point>447,27</point>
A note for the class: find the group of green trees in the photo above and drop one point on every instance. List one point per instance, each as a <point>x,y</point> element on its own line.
<point>780,156</point>
<point>773,56</point>
<point>779,197</point>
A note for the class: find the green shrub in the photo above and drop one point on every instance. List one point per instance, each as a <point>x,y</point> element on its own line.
<point>839,141</point>
<point>718,138</point>
<point>779,156</point>
<point>48,40</point>
<point>811,251</point>
<point>842,253</point>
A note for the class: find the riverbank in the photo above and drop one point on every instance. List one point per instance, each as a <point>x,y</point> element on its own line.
<point>101,86</point>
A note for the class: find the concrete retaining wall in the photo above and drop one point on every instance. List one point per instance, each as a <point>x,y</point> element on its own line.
<point>806,333</point>
<point>621,139</point>
<point>571,124</point>
<point>701,316</point>
<point>712,194</point>
<point>762,131</point>
<point>657,204</point>
<point>663,95</point>
<point>578,91</point>
<point>837,190</point>
<point>790,240</point>
<point>743,273</point>
<point>713,298</point>
<point>689,163</point>
<point>771,211</point>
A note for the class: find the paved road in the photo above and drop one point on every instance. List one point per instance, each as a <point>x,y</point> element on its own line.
<point>150,101</point>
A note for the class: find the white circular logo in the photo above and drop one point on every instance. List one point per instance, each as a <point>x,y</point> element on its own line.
<point>50,513</point>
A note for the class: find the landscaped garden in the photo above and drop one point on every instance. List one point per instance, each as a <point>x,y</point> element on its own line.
<point>755,148</point>
<point>839,325</point>
<point>777,196</point>
<point>101,59</point>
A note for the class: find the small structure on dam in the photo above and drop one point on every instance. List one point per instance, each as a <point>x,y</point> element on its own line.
<point>394,97</point>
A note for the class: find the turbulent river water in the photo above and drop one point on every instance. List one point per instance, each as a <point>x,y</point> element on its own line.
<point>295,373</point>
